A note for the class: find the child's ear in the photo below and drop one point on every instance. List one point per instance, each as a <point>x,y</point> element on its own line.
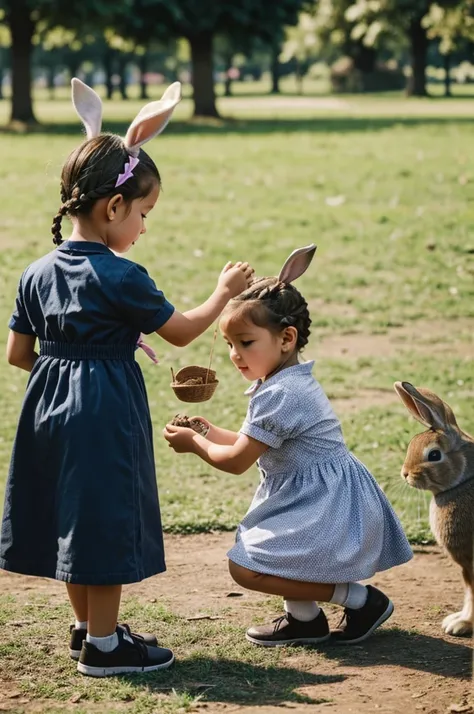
<point>112,206</point>
<point>290,338</point>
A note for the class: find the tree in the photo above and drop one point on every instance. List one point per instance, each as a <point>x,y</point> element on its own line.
<point>375,19</point>
<point>199,21</point>
<point>4,51</point>
<point>300,45</point>
<point>335,29</point>
<point>22,18</point>
<point>453,27</point>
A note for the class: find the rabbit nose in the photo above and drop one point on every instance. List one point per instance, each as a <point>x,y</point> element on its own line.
<point>405,473</point>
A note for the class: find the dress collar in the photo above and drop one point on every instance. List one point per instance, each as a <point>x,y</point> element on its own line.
<point>300,368</point>
<point>83,246</point>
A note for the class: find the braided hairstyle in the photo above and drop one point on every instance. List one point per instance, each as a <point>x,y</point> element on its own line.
<point>274,305</point>
<point>91,172</point>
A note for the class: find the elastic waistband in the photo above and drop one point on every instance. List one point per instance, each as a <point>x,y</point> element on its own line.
<point>72,350</point>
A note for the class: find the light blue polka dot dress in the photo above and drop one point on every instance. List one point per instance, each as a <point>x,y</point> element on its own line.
<point>318,515</point>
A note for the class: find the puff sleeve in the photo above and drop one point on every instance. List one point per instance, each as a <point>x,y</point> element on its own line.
<point>144,307</point>
<point>274,415</point>
<point>19,321</point>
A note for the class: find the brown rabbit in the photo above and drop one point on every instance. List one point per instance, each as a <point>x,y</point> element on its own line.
<point>441,460</point>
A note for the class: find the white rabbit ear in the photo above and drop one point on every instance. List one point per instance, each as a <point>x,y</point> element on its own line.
<point>152,119</point>
<point>425,406</point>
<point>88,105</point>
<point>297,263</point>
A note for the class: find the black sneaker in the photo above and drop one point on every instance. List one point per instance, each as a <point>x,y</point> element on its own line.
<point>287,630</point>
<point>131,655</point>
<point>357,625</point>
<point>79,636</point>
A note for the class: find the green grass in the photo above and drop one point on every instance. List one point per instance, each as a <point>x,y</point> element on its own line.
<point>214,663</point>
<point>397,249</point>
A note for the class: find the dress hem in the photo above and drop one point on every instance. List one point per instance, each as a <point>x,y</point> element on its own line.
<point>350,577</point>
<point>81,579</point>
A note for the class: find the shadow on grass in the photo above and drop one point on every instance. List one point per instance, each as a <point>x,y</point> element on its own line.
<point>226,680</point>
<point>408,649</point>
<point>318,124</point>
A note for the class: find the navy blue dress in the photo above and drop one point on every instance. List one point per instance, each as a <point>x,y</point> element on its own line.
<point>81,500</point>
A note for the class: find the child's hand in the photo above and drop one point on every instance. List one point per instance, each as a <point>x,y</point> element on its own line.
<point>179,438</point>
<point>235,278</point>
<point>201,419</point>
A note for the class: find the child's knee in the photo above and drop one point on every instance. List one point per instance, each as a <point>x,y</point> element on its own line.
<point>244,577</point>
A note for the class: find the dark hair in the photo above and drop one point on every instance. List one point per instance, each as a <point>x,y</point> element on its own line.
<point>91,172</point>
<point>275,305</point>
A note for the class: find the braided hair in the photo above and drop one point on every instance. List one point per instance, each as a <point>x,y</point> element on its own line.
<point>272,304</point>
<point>91,172</point>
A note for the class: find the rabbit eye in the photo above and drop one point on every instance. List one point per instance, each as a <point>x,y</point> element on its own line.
<point>434,455</point>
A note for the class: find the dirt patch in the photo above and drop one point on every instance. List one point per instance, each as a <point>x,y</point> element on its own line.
<point>363,399</point>
<point>409,666</point>
<point>425,337</point>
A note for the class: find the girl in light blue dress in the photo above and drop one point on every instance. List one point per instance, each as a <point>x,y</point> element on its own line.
<point>319,522</point>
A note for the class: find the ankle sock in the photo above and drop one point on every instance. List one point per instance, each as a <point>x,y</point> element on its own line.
<point>351,595</point>
<point>302,610</point>
<point>104,644</point>
<point>80,625</point>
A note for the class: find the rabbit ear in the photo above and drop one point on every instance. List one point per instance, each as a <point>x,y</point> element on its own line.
<point>88,105</point>
<point>425,406</point>
<point>297,263</point>
<point>152,119</point>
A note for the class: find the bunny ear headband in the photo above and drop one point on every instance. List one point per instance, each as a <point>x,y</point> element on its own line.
<point>150,120</point>
<point>297,263</point>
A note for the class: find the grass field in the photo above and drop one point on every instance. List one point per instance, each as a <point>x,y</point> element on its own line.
<point>384,186</point>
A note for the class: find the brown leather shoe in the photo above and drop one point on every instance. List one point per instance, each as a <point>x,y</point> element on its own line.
<point>287,630</point>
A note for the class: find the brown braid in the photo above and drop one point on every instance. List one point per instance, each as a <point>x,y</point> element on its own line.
<point>275,305</point>
<point>90,173</point>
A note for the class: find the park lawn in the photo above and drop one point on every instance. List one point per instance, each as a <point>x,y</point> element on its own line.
<point>385,189</point>
<point>386,196</point>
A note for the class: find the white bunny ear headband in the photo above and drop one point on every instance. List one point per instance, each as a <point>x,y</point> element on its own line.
<point>297,263</point>
<point>149,122</point>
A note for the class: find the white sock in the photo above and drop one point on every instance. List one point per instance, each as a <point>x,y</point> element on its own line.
<point>351,595</point>
<point>80,625</point>
<point>104,644</point>
<point>302,610</point>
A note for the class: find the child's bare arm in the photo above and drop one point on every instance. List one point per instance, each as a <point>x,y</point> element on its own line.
<point>235,459</point>
<point>183,328</point>
<point>217,434</point>
<point>21,350</point>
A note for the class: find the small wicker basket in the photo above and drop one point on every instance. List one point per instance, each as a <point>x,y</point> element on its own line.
<point>194,392</point>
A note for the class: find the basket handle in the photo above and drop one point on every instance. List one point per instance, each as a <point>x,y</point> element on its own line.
<point>212,352</point>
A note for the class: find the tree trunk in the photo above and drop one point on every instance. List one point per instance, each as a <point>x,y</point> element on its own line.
<point>299,74</point>
<point>204,94</point>
<point>416,86</point>
<point>143,67</point>
<point>123,77</point>
<point>21,28</point>
<point>108,68</point>
<point>51,75</point>
<point>275,70</point>
<point>364,57</point>
<point>228,79</point>
<point>447,76</point>
<point>73,66</point>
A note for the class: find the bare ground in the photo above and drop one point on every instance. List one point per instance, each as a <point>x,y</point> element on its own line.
<point>410,665</point>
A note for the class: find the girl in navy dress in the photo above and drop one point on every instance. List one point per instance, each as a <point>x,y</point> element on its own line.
<point>81,500</point>
<point>318,522</point>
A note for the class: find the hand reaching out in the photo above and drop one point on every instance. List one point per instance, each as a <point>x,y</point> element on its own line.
<point>235,277</point>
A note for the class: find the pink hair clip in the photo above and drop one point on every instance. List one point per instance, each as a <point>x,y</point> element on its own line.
<point>127,171</point>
